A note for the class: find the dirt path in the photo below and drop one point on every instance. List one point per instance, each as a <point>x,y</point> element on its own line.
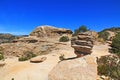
<point>100,50</point>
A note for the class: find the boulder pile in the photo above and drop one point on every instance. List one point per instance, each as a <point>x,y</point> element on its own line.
<point>82,43</point>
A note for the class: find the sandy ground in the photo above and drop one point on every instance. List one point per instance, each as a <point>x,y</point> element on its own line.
<point>39,71</point>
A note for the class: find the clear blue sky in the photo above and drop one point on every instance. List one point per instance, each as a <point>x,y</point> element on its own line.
<point>22,16</point>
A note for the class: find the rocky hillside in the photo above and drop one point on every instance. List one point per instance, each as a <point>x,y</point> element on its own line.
<point>109,33</point>
<point>50,31</point>
<point>40,41</point>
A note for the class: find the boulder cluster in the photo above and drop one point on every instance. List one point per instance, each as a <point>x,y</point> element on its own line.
<point>82,44</point>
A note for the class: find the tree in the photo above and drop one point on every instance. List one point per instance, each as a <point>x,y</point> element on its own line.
<point>80,29</point>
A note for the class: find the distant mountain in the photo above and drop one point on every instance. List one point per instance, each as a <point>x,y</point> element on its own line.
<point>7,38</point>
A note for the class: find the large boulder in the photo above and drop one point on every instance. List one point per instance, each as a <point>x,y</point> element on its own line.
<point>84,68</point>
<point>50,31</point>
<point>82,43</point>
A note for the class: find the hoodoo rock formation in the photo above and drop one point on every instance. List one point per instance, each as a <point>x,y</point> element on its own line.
<point>82,43</point>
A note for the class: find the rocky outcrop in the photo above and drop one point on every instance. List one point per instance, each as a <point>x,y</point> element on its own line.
<point>38,59</point>
<point>25,40</point>
<point>84,68</point>
<point>82,44</point>
<point>49,31</point>
<point>2,63</point>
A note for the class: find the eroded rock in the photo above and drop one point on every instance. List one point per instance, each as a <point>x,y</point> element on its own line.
<point>82,43</point>
<point>51,32</point>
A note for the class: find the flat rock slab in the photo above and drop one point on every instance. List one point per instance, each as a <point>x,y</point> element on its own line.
<point>38,59</point>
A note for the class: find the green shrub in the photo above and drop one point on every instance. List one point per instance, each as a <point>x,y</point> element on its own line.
<point>104,35</point>
<point>116,44</point>
<point>1,56</point>
<point>101,40</point>
<point>22,58</point>
<point>64,39</point>
<point>1,53</point>
<point>27,55</point>
<point>80,29</point>
<point>109,66</point>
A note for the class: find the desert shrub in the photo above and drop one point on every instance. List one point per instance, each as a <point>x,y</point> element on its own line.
<point>64,39</point>
<point>116,44</point>
<point>109,66</point>
<point>80,29</point>
<point>1,53</point>
<point>22,58</point>
<point>27,55</point>
<point>62,57</point>
<point>1,56</point>
<point>101,40</point>
<point>103,34</point>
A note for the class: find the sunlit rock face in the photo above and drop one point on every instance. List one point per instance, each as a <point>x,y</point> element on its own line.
<point>84,68</point>
<point>50,31</point>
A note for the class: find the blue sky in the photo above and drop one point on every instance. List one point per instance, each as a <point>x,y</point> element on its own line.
<point>22,16</point>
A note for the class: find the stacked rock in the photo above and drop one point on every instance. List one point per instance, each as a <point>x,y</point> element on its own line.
<point>82,44</point>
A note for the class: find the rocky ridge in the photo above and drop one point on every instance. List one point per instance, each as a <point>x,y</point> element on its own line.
<point>50,31</point>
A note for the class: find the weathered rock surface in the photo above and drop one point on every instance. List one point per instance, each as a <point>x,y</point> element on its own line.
<point>83,43</point>
<point>84,68</point>
<point>26,40</point>
<point>38,59</point>
<point>49,31</point>
<point>2,63</point>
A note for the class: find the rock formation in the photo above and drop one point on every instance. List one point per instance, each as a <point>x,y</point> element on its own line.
<point>82,44</point>
<point>25,40</point>
<point>84,68</point>
<point>38,59</point>
<point>49,31</point>
<point>2,63</point>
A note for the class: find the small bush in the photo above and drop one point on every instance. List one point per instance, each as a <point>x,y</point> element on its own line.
<point>104,35</point>
<point>27,55</point>
<point>101,40</point>
<point>109,66</point>
<point>64,39</point>
<point>1,56</point>
<point>23,58</point>
<point>1,53</point>
<point>82,28</point>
